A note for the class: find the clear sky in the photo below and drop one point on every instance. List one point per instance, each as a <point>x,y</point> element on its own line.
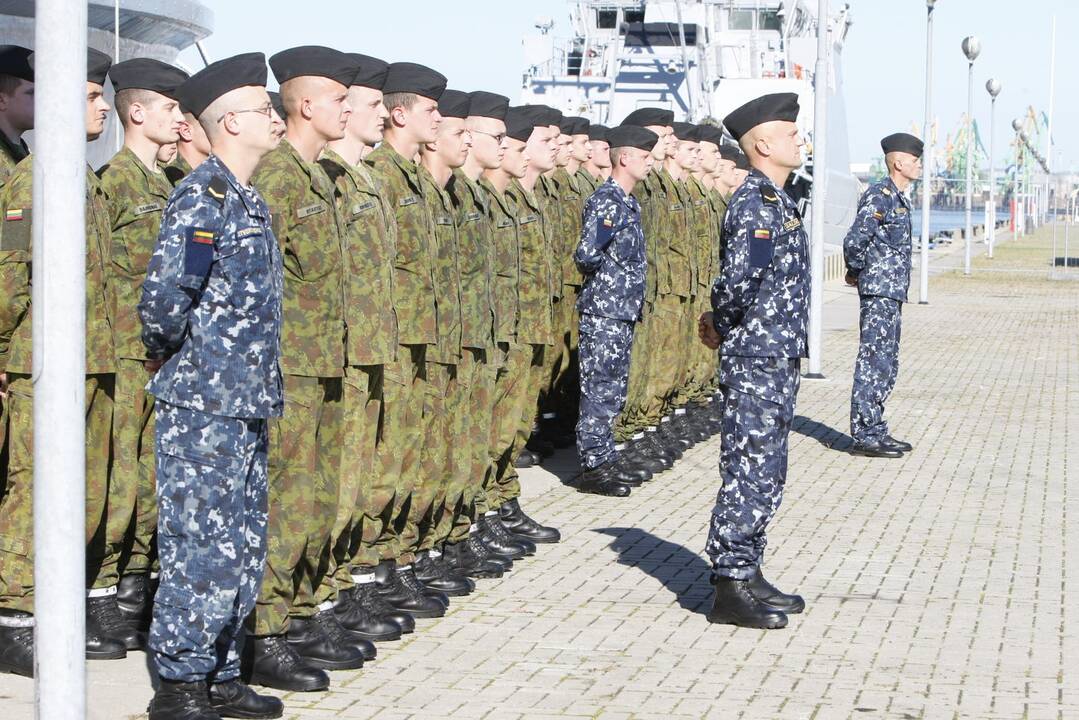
<point>477,45</point>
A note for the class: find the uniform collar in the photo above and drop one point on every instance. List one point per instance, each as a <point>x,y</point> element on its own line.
<point>612,188</point>
<point>248,195</point>
<point>128,157</point>
<point>316,178</point>
<point>895,189</point>
<point>17,149</point>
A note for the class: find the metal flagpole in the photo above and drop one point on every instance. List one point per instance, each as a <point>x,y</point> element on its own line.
<point>820,175</point>
<point>971,48</point>
<point>59,365</point>
<point>927,162</point>
<point>1049,122</point>
<point>116,59</point>
<point>993,87</point>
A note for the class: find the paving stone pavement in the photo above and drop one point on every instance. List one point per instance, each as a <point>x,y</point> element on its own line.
<point>938,585</point>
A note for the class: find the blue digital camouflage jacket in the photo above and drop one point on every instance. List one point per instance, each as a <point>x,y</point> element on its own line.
<point>611,254</point>
<point>877,249</point>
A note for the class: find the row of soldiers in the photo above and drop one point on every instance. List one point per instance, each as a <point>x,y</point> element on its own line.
<point>425,240</point>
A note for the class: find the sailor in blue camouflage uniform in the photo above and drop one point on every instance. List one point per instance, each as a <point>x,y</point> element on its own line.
<point>211,317</point>
<point>760,313</point>
<point>877,251</point>
<point>611,255</point>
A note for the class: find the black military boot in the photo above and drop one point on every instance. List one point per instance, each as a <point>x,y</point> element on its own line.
<point>472,558</point>
<point>17,643</point>
<point>234,699</point>
<point>624,470</point>
<point>135,599</point>
<point>634,456</point>
<point>434,573</point>
<point>671,438</point>
<point>276,664</point>
<point>325,645</point>
<point>499,541</point>
<point>182,701</point>
<point>652,444</point>
<point>103,618</point>
<point>538,444</point>
<point>772,597</point>
<point>599,481</point>
<point>642,447</point>
<point>408,594</point>
<point>367,595</point>
<point>734,604</point>
<point>520,524</point>
<point>357,618</point>
<point>525,460</point>
<point>901,445</point>
<point>877,449</point>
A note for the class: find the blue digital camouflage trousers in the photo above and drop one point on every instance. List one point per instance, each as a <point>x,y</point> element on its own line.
<point>758,408</point>
<point>211,491</point>
<point>876,368</point>
<point>604,351</point>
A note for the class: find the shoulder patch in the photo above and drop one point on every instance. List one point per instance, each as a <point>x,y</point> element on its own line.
<point>769,195</point>
<point>217,189</point>
<point>17,229</point>
<point>199,251</point>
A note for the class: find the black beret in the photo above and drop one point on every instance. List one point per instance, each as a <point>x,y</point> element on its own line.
<point>686,131</point>
<point>278,104</point>
<point>776,106</point>
<point>711,134</point>
<point>547,114</point>
<point>454,104</point>
<point>574,125</point>
<point>15,61</point>
<point>370,71</point>
<point>598,133</point>
<point>729,152</point>
<point>405,77</point>
<point>147,74</point>
<point>902,142</point>
<point>486,104</point>
<point>741,162</point>
<point>522,120</point>
<point>649,116</point>
<point>219,78</point>
<point>97,66</point>
<point>632,136</point>
<point>313,60</point>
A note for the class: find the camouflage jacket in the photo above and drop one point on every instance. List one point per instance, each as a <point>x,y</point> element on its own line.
<point>760,300</point>
<point>212,299</point>
<point>705,237</point>
<point>135,198</point>
<point>506,277</point>
<point>447,275</point>
<point>586,184</point>
<point>679,236</point>
<point>534,289</point>
<point>370,320</point>
<point>475,261</point>
<point>718,203</point>
<point>548,195</point>
<point>16,274</point>
<point>177,170</point>
<point>303,205</point>
<point>610,255</point>
<point>653,201</point>
<point>571,201</point>
<point>11,154</point>
<point>413,279</point>
<point>878,247</point>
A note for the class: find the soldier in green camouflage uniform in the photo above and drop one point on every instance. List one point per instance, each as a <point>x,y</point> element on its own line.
<point>364,494</point>
<point>411,95</point>
<point>17,117</point>
<point>108,635</point>
<point>191,150</point>
<point>137,191</point>
<point>305,444</point>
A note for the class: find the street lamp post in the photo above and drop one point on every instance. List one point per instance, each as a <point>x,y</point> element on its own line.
<point>993,87</point>
<point>927,163</point>
<point>1017,125</point>
<point>971,48</point>
<point>820,174</point>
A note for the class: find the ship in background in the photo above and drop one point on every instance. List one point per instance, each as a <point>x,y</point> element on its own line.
<point>700,59</point>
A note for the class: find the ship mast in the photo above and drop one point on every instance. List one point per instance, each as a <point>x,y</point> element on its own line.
<point>685,61</point>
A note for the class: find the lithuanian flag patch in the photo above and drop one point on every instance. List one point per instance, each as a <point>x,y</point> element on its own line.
<point>762,234</point>
<point>13,215</point>
<point>204,237</point>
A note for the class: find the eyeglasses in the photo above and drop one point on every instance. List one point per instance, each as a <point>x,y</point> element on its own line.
<point>264,110</point>
<point>498,137</point>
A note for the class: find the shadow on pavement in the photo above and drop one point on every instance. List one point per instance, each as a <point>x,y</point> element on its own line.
<point>826,436</point>
<point>680,570</point>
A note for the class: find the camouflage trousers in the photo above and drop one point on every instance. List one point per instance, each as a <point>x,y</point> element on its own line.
<point>605,359</point>
<point>16,508</point>
<point>559,399</point>
<point>469,451</point>
<point>511,404</point>
<point>398,449</point>
<point>304,469</point>
<point>632,418</point>
<point>701,379</point>
<point>212,489</point>
<point>666,357</point>
<point>682,355</point>
<point>758,408</point>
<point>131,517</point>
<point>362,402</point>
<point>876,368</point>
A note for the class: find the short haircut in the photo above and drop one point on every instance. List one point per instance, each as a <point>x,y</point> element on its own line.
<point>616,155</point>
<point>9,84</point>
<point>126,98</point>
<point>399,99</point>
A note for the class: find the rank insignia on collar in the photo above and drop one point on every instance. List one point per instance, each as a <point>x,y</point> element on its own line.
<point>768,195</point>
<point>886,191</point>
<point>878,215</point>
<point>762,234</point>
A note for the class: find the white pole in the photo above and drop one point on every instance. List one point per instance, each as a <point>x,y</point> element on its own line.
<point>991,224</point>
<point>970,166</point>
<point>927,162</point>
<point>59,335</point>
<point>820,175</point>
<point>1049,123</point>
<point>116,59</point>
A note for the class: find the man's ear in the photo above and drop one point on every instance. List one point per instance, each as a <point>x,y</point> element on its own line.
<point>185,132</point>
<point>136,113</point>
<point>397,116</point>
